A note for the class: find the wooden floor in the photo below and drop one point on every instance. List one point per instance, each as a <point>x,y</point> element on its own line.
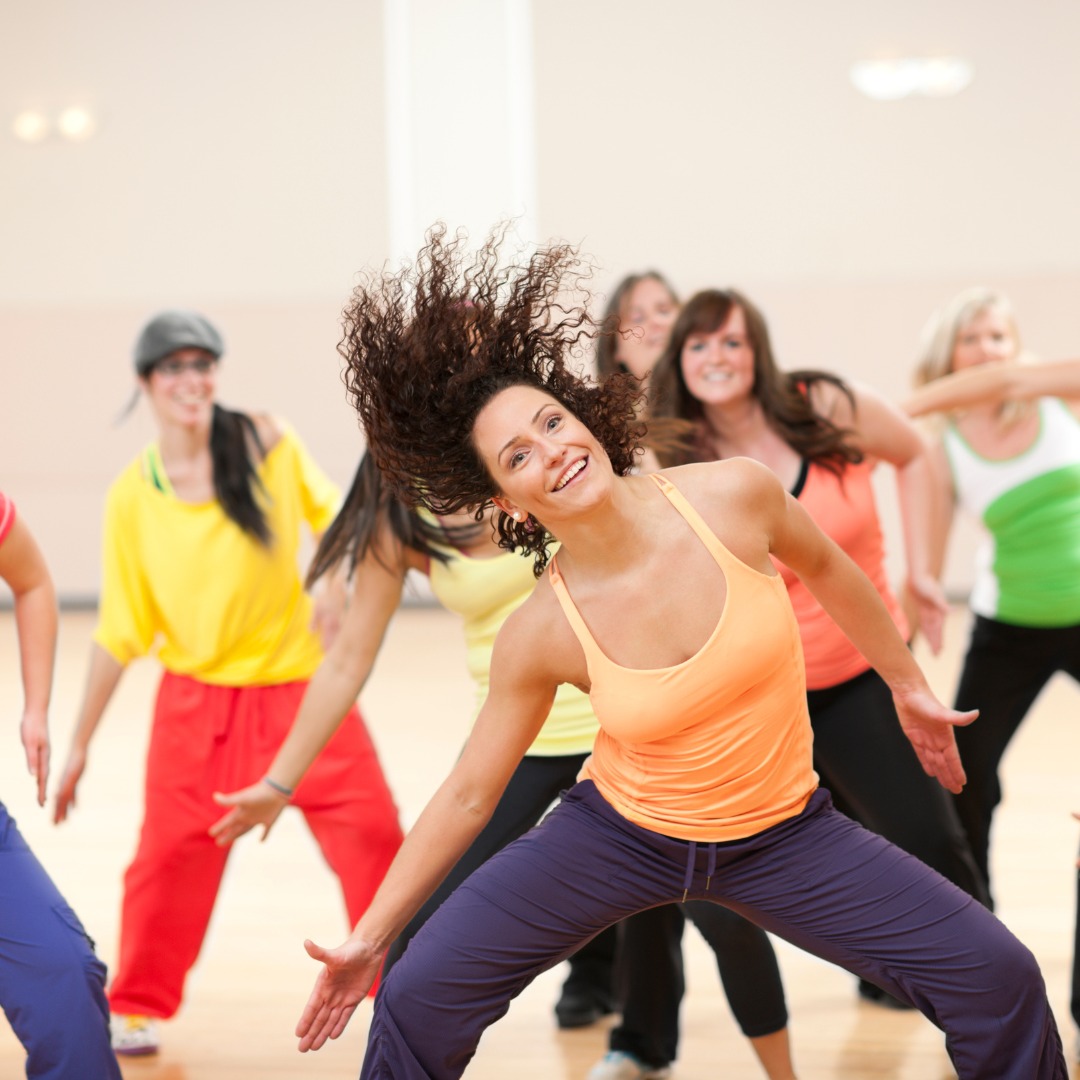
<point>247,991</point>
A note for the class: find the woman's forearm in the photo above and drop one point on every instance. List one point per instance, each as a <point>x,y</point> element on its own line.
<point>101,682</point>
<point>991,383</point>
<point>336,684</point>
<point>330,695</point>
<point>917,493</point>
<point>449,823</point>
<point>36,621</point>
<point>850,599</point>
<point>519,701</point>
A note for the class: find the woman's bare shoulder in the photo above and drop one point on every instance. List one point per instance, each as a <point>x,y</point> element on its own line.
<point>538,635</point>
<point>269,429</point>
<point>719,480</point>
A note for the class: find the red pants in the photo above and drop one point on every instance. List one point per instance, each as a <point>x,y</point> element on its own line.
<point>217,738</point>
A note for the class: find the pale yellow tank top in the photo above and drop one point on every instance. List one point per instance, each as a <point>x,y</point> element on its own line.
<point>484,592</point>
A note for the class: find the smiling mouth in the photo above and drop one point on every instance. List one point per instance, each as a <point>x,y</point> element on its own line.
<point>570,473</point>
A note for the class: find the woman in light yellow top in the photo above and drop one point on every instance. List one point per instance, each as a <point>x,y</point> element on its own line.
<point>473,577</point>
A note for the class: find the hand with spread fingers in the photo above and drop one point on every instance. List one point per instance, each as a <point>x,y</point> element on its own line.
<point>349,972</point>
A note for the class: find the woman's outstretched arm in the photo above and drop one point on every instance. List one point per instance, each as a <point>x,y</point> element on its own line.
<point>376,592</point>
<point>884,432</point>
<point>847,594</point>
<point>22,567</point>
<point>990,383</point>
<point>522,690</point>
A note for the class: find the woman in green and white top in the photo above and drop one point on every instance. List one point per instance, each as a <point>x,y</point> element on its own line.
<point>1009,454</point>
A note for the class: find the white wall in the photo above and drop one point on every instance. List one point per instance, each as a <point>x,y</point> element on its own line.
<point>244,166</point>
<point>238,169</point>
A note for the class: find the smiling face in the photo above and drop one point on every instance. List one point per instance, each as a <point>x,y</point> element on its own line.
<point>543,459</point>
<point>718,366</point>
<point>645,322</point>
<point>987,338</point>
<point>181,388</point>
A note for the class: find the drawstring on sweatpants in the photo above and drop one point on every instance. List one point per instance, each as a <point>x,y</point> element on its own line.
<point>689,879</point>
<point>691,858</point>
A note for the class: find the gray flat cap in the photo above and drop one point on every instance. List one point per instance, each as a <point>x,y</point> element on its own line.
<point>172,330</point>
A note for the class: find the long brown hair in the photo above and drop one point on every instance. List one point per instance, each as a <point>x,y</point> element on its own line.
<point>369,506</point>
<point>607,341</point>
<point>785,397</point>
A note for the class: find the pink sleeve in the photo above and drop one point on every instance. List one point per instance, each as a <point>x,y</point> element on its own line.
<point>7,516</point>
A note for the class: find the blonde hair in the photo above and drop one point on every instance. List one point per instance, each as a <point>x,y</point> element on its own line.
<point>939,336</point>
<point>943,328</point>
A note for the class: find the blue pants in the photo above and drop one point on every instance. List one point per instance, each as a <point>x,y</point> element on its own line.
<point>820,881</point>
<point>52,986</point>
<point>536,783</point>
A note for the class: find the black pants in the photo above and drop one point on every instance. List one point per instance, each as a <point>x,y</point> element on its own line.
<point>867,763</point>
<point>1005,669</point>
<point>535,785</point>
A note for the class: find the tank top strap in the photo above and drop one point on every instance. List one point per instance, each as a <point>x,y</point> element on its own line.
<point>573,616</point>
<point>696,522</point>
<point>728,563</point>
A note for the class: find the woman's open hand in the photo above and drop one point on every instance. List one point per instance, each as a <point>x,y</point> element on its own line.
<point>348,974</point>
<point>258,804</point>
<point>929,727</point>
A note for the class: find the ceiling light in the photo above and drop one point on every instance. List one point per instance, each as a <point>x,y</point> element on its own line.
<point>901,77</point>
<point>31,126</point>
<point>76,123</point>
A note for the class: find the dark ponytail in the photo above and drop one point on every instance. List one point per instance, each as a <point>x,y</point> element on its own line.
<point>236,483</point>
<point>367,506</point>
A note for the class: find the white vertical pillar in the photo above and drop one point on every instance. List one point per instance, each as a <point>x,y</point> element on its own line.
<point>397,58</point>
<point>461,143</point>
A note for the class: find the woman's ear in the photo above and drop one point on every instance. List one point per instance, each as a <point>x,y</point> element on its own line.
<point>507,507</point>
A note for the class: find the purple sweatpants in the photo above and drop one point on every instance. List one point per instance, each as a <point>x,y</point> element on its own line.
<point>820,881</point>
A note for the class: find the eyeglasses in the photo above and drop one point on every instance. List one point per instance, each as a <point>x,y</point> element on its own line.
<point>202,365</point>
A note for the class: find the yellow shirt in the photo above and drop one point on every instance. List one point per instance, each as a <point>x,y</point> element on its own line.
<point>484,592</point>
<point>219,605</point>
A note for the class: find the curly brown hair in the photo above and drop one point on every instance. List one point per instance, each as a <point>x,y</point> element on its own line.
<point>427,347</point>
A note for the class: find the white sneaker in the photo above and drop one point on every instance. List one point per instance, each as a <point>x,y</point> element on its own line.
<point>618,1065</point>
<point>134,1035</point>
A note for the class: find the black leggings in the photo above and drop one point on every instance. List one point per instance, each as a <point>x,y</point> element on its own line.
<point>535,785</point>
<point>1005,669</point>
<point>863,757</point>
<point>865,760</point>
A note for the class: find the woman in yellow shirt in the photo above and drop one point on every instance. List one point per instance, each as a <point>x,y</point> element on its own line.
<point>200,550</point>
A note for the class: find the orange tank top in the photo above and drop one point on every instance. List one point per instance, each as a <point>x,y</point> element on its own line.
<point>843,507</point>
<point>718,747</point>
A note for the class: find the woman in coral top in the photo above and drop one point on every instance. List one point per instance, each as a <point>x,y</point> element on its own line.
<point>200,550</point>
<point>52,984</point>
<point>664,603</point>
<point>822,438</point>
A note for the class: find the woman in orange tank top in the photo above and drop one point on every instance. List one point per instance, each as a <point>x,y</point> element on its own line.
<point>666,606</point>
